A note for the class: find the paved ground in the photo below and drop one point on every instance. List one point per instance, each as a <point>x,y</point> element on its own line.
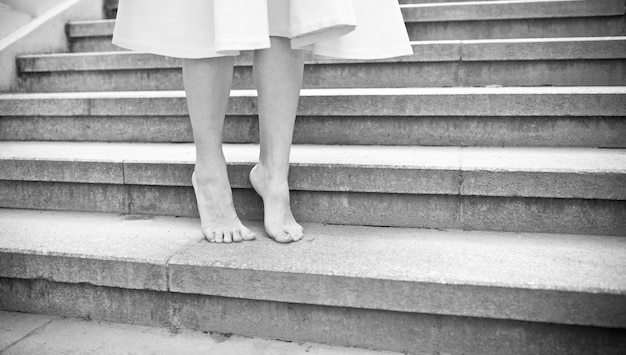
<point>22,333</point>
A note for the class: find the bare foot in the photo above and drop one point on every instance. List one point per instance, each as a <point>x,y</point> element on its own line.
<point>219,221</point>
<point>279,222</point>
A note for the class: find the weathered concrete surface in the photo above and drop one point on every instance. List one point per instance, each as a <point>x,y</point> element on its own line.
<point>113,129</point>
<point>435,268</point>
<point>61,171</point>
<point>90,28</point>
<point>64,196</point>
<point>396,331</point>
<point>607,132</point>
<point>515,214</point>
<point>458,101</point>
<point>519,172</point>
<point>93,44</point>
<point>445,272</point>
<point>495,29</point>
<point>514,62</point>
<point>577,216</point>
<point>15,326</point>
<point>488,10</point>
<point>371,75</point>
<point>425,51</point>
<point>60,336</point>
<point>106,250</point>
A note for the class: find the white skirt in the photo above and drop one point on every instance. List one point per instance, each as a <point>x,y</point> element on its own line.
<point>353,29</point>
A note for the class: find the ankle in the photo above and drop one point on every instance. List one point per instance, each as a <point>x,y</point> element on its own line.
<point>272,175</point>
<point>209,176</point>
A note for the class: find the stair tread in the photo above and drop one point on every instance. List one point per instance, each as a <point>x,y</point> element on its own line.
<point>340,260</point>
<point>426,91</point>
<point>575,48</point>
<point>537,159</point>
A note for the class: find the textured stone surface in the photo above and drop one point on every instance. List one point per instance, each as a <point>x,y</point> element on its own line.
<point>93,28</point>
<point>396,331</point>
<point>544,48</point>
<point>493,102</point>
<point>578,216</point>
<point>430,131</point>
<point>400,210</point>
<point>59,336</point>
<point>508,62</point>
<point>523,172</point>
<point>425,51</point>
<point>515,214</point>
<point>513,28</point>
<point>107,250</point>
<point>64,196</point>
<point>583,72</point>
<point>93,44</point>
<point>475,274</point>
<point>486,10</point>
<point>16,326</point>
<point>61,171</point>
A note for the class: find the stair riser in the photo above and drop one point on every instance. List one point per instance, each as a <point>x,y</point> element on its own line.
<point>510,28</point>
<point>452,180</point>
<point>93,44</point>
<point>445,74</point>
<point>406,103</point>
<point>573,216</point>
<point>608,132</point>
<point>396,331</point>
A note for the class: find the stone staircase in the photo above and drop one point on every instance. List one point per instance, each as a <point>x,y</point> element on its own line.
<point>470,199</point>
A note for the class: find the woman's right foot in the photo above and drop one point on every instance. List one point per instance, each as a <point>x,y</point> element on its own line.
<point>219,221</point>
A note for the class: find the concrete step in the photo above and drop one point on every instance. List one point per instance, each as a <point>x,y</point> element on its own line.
<point>48,335</point>
<point>514,19</point>
<point>541,116</point>
<point>523,189</point>
<point>520,62</point>
<point>510,9</point>
<point>453,21</point>
<point>419,291</point>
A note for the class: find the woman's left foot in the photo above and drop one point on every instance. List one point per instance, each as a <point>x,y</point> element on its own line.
<point>279,222</point>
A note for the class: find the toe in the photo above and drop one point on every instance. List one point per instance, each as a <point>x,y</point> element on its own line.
<point>294,231</point>
<point>247,234</point>
<point>297,235</point>
<point>219,237</point>
<point>228,237</point>
<point>237,236</point>
<point>208,235</point>
<point>280,236</point>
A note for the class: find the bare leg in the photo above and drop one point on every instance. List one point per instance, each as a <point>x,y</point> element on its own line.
<point>278,77</point>
<point>207,84</point>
